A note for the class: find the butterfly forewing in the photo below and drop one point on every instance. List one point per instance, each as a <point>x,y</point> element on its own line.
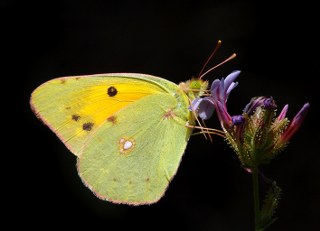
<point>74,107</point>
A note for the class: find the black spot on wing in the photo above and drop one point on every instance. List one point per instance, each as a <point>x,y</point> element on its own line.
<point>75,117</point>
<point>87,126</point>
<point>112,91</point>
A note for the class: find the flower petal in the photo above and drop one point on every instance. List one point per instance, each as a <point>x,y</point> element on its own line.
<point>238,119</point>
<point>195,104</point>
<point>283,113</point>
<point>223,115</point>
<point>253,104</point>
<point>205,108</point>
<point>220,89</point>
<point>295,124</point>
<point>269,104</point>
<point>215,84</point>
<point>231,78</point>
<point>230,88</point>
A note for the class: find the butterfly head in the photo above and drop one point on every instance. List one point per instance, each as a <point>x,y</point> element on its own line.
<point>194,88</point>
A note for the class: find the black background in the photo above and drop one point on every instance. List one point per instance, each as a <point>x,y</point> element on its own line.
<point>278,53</point>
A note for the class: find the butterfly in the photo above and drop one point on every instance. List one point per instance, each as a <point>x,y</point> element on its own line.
<point>129,131</point>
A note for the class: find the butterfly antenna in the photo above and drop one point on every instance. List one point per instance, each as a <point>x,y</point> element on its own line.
<point>210,57</point>
<point>223,62</point>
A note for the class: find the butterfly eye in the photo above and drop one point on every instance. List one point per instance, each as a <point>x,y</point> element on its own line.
<point>195,84</point>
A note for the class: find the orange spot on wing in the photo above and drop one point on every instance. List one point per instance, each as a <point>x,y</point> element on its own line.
<point>169,114</point>
<point>112,119</point>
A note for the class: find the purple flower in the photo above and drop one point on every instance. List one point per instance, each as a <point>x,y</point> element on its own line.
<point>220,91</point>
<point>257,135</point>
<point>261,101</point>
<point>283,113</point>
<point>238,119</point>
<point>295,124</point>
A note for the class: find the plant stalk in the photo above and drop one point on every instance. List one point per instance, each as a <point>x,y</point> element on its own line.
<point>256,200</point>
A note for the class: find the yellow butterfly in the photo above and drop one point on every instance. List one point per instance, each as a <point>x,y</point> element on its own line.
<point>128,131</point>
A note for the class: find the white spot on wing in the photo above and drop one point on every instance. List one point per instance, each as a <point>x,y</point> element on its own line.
<point>126,145</point>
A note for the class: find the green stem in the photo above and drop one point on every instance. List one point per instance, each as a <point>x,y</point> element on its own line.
<point>255,181</point>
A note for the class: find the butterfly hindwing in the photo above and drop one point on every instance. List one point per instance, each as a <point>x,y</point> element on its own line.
<point>132,158</point>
